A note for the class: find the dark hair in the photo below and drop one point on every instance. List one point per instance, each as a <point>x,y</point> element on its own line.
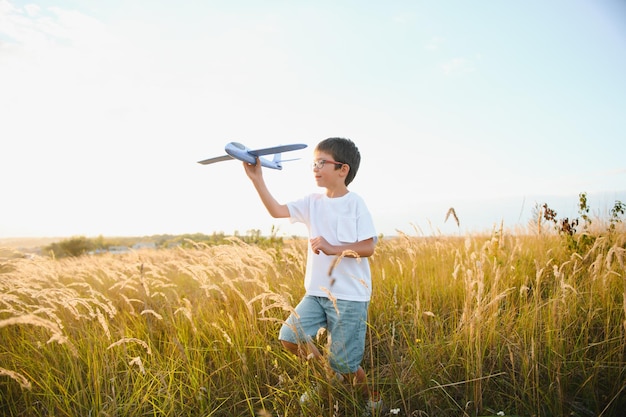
<point>344,151</point>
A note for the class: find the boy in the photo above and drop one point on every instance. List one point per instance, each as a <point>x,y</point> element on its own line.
<point>339,225</point>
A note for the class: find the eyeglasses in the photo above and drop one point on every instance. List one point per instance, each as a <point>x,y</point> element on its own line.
<point>319,164</point>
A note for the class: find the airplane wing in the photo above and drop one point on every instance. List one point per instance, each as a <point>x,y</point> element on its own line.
<point>277,149</point>
<point>214,160</point>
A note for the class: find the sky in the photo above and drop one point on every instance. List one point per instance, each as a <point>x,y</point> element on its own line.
<point>487,107</point>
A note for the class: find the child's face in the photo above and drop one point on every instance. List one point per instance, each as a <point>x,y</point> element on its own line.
<point>328,176</point>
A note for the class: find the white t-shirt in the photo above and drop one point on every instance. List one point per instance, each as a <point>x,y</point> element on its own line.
<point>339,220</point>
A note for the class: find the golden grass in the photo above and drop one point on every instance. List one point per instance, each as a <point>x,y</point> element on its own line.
<point>467,325</point>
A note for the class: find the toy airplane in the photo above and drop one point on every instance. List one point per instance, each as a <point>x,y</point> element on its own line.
<point>236,150</point>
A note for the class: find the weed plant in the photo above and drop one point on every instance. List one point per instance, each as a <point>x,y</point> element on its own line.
<point>459,326</point>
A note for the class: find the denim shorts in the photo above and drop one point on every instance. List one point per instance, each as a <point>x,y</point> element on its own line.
<point>346,326</point>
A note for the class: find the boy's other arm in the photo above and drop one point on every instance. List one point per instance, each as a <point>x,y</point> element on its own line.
<point>274,208</point>
<point>362,248</point>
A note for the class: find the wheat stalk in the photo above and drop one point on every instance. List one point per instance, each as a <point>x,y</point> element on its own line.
<point>131,340</point>
<point>452,212</point>
<point>16,376</point>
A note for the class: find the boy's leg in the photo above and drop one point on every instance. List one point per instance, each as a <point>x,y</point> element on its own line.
<point>293,337</point>
<point>359,380</point>
<point>347,327</point>
<point>302,350</point>
<point>297,331</point>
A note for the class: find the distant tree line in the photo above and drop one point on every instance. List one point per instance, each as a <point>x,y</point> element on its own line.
<point>81,245</point>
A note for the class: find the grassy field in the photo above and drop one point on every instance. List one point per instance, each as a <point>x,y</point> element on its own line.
<point>459,326</point>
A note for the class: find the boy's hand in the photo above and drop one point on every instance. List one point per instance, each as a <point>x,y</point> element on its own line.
<point>274,208</point>
<point>319,244</point>
<point>254,172</point>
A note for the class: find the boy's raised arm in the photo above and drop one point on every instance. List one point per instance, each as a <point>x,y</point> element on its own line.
<point>274,208</point>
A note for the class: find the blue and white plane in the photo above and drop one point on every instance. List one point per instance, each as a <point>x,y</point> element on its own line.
<point>235,150</point>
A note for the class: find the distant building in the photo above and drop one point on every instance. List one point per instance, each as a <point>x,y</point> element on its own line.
<point>144,245</point>
<point>119,249</point>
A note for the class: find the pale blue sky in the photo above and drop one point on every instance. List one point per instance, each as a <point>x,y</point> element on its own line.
<point>488,107</point>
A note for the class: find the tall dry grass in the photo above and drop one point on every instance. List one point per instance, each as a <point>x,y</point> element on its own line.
<point>468,325</point>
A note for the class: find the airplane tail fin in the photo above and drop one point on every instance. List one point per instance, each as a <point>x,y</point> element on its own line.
<point>278,159</point>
